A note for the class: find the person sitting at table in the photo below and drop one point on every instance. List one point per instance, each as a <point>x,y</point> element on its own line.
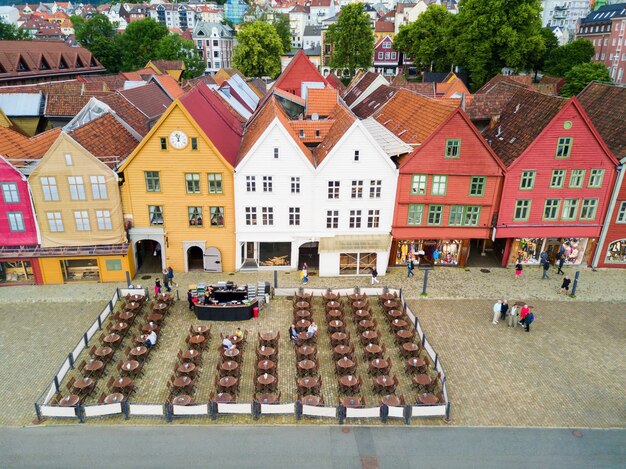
<point>151,340</point>
<point>312,330</point>
<point>239,333</point>
<point>293,334</point>
<point>227,344</point>
<point>207,296</point>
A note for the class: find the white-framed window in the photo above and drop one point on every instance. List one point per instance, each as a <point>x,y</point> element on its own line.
<point>192,183</point>
<point>381,55</point>
<point>439,186</point>
<point>267,183</point>
<point>10,193</point>
<point>215,183</point>
<point>621,213</point>
<point>77,187</point>
<point>332,219</point>
<point>250,183</point>
<point>375,188</point>
<point>250,216</point>
<point>16,221</point>
<point>355,219</point>
<point>373,218</point>
<point>267,215</point>
<point>104,220</point>
<point>55,222</point>
<point>68,160</point>
<point>155,212</point>
<point>418,184</point>
<point>98,187</point>
<point>357,189</point>
<point>294,216</point>
<point>50,189</point>
<point>333,189</point>
<point>295,184</point>
<point>82,220</point>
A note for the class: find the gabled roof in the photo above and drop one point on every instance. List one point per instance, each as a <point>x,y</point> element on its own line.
<point>62,105</point>
<point>219,125</point>
<point>374,101</point>
<point>127,112</point>
<point>524,117</point>
<point>224,74</point>
<point>390,144</point>
<point>336,83</point>
<point>14,145</point>
<point>453,86</point>
<point>354,91</point>
<point>162,66</point>
<point>343,120</point>
<point>321,101</point>
<point>169,85</point>
<point>425,89</point>
<point>490,103</point>
<point>384,26</point>
<point>523,81</point>
<point>299,70</point>
<point>605,104</point>
<point>258,86</point>
<point>149,99</point>
<point>206,79</point>
<point>412,117</point>
<point>106,139</point>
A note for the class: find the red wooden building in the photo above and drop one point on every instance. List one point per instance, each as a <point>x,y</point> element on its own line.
<point>448,188</point>
<point>299,75</point>
<point>559,178</point>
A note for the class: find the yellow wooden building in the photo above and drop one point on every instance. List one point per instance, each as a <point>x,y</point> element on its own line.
<point>177,189</point>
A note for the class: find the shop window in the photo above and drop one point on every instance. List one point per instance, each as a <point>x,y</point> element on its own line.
<point>558,177</point>
<point>250,216</point>
<point>217,216</point>
<point>570,209</point>
<point>418,184</point>
<point>617,252</point>
<point>522,210</point>
<point>295,185</point>
<point>356,263</point>
<point>294,216</point>
<point>98,187</point>
<point>192,182</point>
<point>435,213</point>
<point>332,219</point>
<point>564,147</point>
<point>373,218</point>
<point>113,264</point>
<point>416,212</point>
<point>621,213</point>
<point>153,181</point>
<point>49,186</point>
<point>215,183</point>
<point>453,148</point>
<point>375,188</point>
<point>551,209</point>
<point>275,254</point>
<point>268,183</point>
<point>156,214</point>
<point>104,220</point>
<point>527,180</point>
<point>333,189</point>
<point>439,186</point>
<point>250,183</point>
<point>588,209</point>
<point>595,178</point>
<point>10,193</point>
<point>357,190</point>
<point>55,222</point>
<point>80,269</point>
<point>195,216</point>
<point>477,186</point>
<point>576,178</point>
<point>355,219</point>
<point>16,272</point>
<point>81,217</point>
<point>16,221</point>
<point>77,187</point>
<point>267,215</point>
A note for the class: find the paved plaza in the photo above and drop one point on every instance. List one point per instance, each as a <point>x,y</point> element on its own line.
<point>568,371</point>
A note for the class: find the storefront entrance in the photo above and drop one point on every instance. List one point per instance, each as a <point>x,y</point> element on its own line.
<point>528,250</point>
<point>148,256</point>
<point>80,270</point>
<point>429,252</point>
<point>195,258</point>
<point>309,253</point>
<point>16,272</point>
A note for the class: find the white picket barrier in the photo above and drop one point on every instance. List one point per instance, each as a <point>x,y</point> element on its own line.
<point>103,409</point>
<point>234,408</point>
<point>316,411</point>
<point>200,409</point>
<point>368,412</point>
<point>146,409</point>
<point>278,409</point>
<point>396,411</point>
<point>428,411</point>
<point>57,411</point>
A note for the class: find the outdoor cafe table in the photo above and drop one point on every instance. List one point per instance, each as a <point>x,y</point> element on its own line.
<point>334,314</point>
<point>182,382</point>
<point>390,400</point>
<point>302,305</point>
<point>155,317</point>
<point>190,354</point>
<point>126,315</point>
<point>164,297</point>
<point>267,398</point>
<point>196,339</point>
<point>414,364</point>
<point>377,365</point>
<point>311,399</point>
<point>373,350</point>
<point>112,338</point>
<point>404,335</point>
<point>410,348</point>
<point>120,326</point>
<point>351,402</point>
<point>129,366</point>
<point>342,350</point>
<point>268,338</point>
<point>227,382</point>
<point>232,353</point>
<point>229,366</point>
<point>122,382</point>
<point>349,382</point>
<point>306,366</point>
<point>103,351</point>
<point>303,313</point>
<point>427,398</point>
<point>159,307</point>
<point>186,367</point>
<point>358,305</point>
<point>266,351</point>
<point>398,324</point>
<point>150,327</point>
<point>141,339</point>
<point>385,382</point>
<point>330,296</point>
<point>266,365</point>
<point>423,379</point>
<point>223,397</point>
<point>303,324</point>
<point>394,313</point>
<point>362,313</point>
<point>235,339</point>
<point>335,325</point>
<point>339,337</point>
<point>132,306</point>
<point>365,324</point>
<point>266,379</point>
<point>182,399</point>
<point>69,401</point>
<point>370,336</point>
<point>303,336</point>
<point>200,329</point>
<point>345,363</point>
<point>93,366</point>
<point>333,305</point>
<point>139,351</point>
<point>114,398</point>
<point>356,296</point>
<point>136,298</point>
<point>308,382</point>
<point>307,350</point>
<point>390,304</point>
<point>303,295</point>
<point>386,296</point>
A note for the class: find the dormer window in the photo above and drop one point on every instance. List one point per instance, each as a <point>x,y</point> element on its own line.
<point>21,66</point>
<point>62,63</point>
<point>43,65</point>
<point>301,133</point>
<point>79,63</point>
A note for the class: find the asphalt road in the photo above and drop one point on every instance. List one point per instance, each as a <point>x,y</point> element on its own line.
<point>320,447</point>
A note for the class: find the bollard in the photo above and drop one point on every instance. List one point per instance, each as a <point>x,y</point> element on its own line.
<point>70,357</point>
<point>126,409</point>
<point>99,323</point>
<point>384,413</point>
<point>256,410</point>
<point>425,282</point>
<point>127,278</point>
<point>436,360</point>
<point>213,410</point>
<point>341,413</point>
<point>298,410</point>
<point>38,412</point>
<point>177,295</point>
<point>576,277</point>
<point>86,339</point>
<point>56,384</point>
<point>407,414</point>
<point>448,411</point>
<point>275,279</point>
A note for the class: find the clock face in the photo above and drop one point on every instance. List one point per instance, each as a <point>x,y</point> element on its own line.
<point>178,139</point>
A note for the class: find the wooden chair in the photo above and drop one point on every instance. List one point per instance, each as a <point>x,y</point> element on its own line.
<point>56,398</point>
<point>70,384</point>
<point>101,398</point>
<point>81,366</point>
<point>92,351</point>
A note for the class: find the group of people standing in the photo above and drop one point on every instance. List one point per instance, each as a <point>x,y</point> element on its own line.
<point>502,312</point>
<point>168,281</point>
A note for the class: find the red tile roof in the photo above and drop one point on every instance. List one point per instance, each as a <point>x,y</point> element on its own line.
<point>343,120</point>
<point>299,70</point>
<point>127,112</point>
<point>62,105</point>
<point>164,65</point>
<point>425,89</point>
<point>207,79</point>
<point>488,104</point>
<point>149,99</point>
<point>383,26</point>
<point>521,81</point>
<point>14,145</point>
<point>321,101</point>
<point>353,92</point>
<point>374,101</point>
<point>169,85</point>
<point>108,82</point>
<point>336,83</point>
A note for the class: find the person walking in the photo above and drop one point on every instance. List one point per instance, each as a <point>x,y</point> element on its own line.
<point>523,313</point>
<point>409,267</point>
<point>170,276</point>
<point>504,308</point>
<point>528,320</point>
<point>546,267</point>
<point>561,262</point>
<point>565,285</point>
<point>304,274</point>
<point>157,287</point>
<point>513,312</point>
<point>518,269</point>
<point>190,299</point>
<point>496,311</point>
<point>166,280</point>
<point>375,276</point>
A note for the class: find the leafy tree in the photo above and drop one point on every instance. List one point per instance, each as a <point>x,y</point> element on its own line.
<point>281,23</point>
<point>99,36</point>
<point>492,34</point>
<point>352,39</point>
<point>10,32</point>
<point>581,75</point>
<point>140,41</point>
<point>427,39</point>
<point>258,50</point>
<point>564,58</point>
<point>173,47</point>
<point>551,42</point>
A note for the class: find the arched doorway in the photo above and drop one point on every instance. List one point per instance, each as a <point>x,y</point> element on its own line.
<point>309,253</point>
<point>212,260</point>
<point>194,258</point>
<point>148,256</point>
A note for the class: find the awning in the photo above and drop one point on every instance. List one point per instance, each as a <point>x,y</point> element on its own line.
<point>355,243</point>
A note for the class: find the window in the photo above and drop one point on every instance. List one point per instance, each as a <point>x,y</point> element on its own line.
<point>434,214</point>
<point>332,219</point>
<point>163,143</point>
<point>464,215</point>
<point>194,143</point>
<point>375,188</point>
<point>156,214</point>
<point>192,181</point>
<point>49,186</point>
<point>522,210</point>
<point>477,186</point>
<point>217,216</point>
<point>381,55</point>
<point>68,160</point>
<point>564,147</point>
<point>471,215</point>
<point>104,220</point>
<point>276,152</point>
<point>294,216</point>
<point>355,219</point>
<point>215,183</point>
<point>527,180</point>
<point>267,184</point>
<point>356,155</point>
<point>55,222</point>
<point>10,193</point>
<point>250,215</point>
<point>558,176</point>
<point>439,185</point>
<point>216,54</point>
<point>16,221</point>
<point>416,212</point>
<point>387,55</point>
<point>621,213</point>
<point>576,178</point>
<point>357,189</point>
<point>595,178</point>
<point>373,218</point>
<point>82,220</point>
<point>153,181</point>
<point>77,188</point>
<point>570,208</point>
<point>418,184</point>
<point>295,184</point>
<point>333,189</point>
<point>98,187</point>
<point>215,42</point>
<point>588,209</point>
<point>267,215</point>
<point>551,209</point>
<point>251,183</point>
<point>195,216</point>
<point>113,264</point>
<point>386,45</point>
<point>453,148</point>
<point>301,133</point>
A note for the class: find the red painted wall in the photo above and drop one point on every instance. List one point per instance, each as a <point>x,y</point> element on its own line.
<point>616,231</point>
<point>12,238</point>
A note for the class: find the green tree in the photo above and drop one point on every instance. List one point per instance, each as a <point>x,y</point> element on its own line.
<point>99,36</point>
<point>352,39</point>
<point>564,58</point>
<point>492,34</point>
<point>140,41</point>
<point>10,32</point>
<point>427,39</point>
<point>281,23</point>
<point>258,50</point>
<point>581,75</point>
<point>173,47</point>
